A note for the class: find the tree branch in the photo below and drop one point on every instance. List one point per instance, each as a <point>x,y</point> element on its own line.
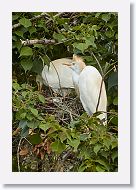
<point>32,42</point>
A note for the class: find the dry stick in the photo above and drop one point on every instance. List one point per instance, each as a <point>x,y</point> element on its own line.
<point>99,94</point>
<point>108,72</point>
<point>18,154</point>
<point>36,41</point>
<point>98,64</point>
<point>101,81</point>
<point>41,41</point>
<point>28,141</point>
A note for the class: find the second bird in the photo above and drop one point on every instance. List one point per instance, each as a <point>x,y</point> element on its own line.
<point>90,87</point>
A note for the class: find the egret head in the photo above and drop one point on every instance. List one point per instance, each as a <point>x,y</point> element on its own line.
<point>77,64</point>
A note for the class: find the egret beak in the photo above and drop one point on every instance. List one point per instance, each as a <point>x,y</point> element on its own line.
<point>67,64</point>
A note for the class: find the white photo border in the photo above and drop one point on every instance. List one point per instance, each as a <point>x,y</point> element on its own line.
<point>123,174</point>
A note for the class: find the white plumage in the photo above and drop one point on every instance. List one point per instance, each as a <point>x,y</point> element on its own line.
<point>58,75</point>
<point>87,81</point>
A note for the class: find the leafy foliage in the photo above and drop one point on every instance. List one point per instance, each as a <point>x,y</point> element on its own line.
<point>91,145</point>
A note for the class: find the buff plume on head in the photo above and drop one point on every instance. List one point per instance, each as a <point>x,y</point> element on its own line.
<point>79,62</point>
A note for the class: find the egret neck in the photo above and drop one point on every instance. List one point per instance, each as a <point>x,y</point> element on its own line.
<point>77,68</point>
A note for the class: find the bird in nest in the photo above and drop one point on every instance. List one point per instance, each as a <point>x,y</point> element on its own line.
<point>90,87</point>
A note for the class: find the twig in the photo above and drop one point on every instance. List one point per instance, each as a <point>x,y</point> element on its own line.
<point>108,72</point>
<point>36,41</point>
<point>99,95</point>
<point>28,141</point>
<point>98,64</point>
<point>112,113</point>
<point>66,110</point>
<point>101,81</point>
<point>18,149</point>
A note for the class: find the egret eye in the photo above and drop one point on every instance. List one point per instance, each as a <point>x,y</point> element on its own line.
<point>73,63</point>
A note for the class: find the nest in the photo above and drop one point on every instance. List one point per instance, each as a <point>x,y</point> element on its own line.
<point>65,108</point>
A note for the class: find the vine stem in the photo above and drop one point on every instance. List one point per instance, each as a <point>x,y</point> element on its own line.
<point>98,63</point>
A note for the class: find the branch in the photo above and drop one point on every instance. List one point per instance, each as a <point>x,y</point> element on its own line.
<point>99,95</point>
<point>32,42</point>
<point>18,159</point>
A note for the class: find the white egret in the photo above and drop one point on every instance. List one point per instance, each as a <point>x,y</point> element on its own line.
<point>57,76</point>
<point>88,82</point>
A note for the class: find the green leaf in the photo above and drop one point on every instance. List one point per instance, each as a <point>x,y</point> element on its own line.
<point>97,148</point>
<point>113,80</point>
<point>41,98</point>
<point>109,33</point>
<point>103,163</point>
<point>37,66</point>
<point>34,111</point>
<point>40,46</point>
<point>106,17</point>
<point>114,144</point>
<point>35,139</point>
<point>15,17</point>
<point>25,22</point>
<point>22,124</point>
<point>24,93</point>
<point>19,33</point>
<point>33,124</point>
<point>74,124</point>
<point>23,115</point>
<point>84,137</point>
<point>105,154</point>
<point>32,30</point>
<point>58,146</point>
<point>26,51</point>
<point>114,155</point>
<point>97,15</point>
<point>14,38</point>
<point>114,120</point>
<point>85,153</point>
<point>59,37</point>
<point>115,101</point>
<point>26,64</point>
<point>74,143</point>
<point>107,142</point>
<point>82,167</point>
<point>46,60</point>
<point>16,86</point>
<point>29,116</point>
<point>62,136</point>
<point>81,46</point>
<point>90,41</point>
<point>45,126</point>
<point>24,132</point>
<point>100,168</point>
